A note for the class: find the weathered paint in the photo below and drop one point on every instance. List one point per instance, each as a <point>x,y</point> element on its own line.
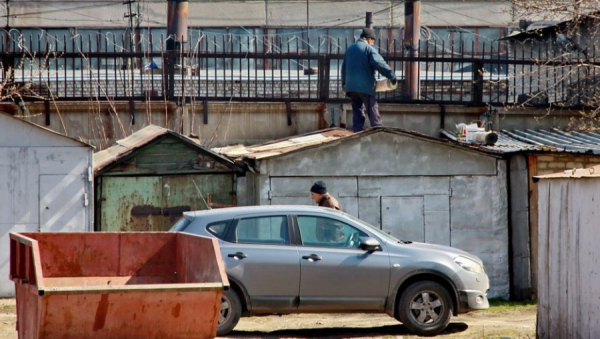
<point>44,183</point>
<point>155,203</point>
<point>150,285</point>
<point>568,258</point>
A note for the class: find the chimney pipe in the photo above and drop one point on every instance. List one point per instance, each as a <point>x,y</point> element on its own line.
<point>369,20</point>
<point>177,24</point>
<point>412,34</point>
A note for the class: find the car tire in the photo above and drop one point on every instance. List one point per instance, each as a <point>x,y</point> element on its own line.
<point>425,308</point>
<point>230,312</point>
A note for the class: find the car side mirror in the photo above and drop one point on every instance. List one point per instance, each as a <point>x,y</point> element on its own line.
<point>369,244</point>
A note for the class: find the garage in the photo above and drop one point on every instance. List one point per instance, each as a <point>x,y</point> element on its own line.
<point>411,185</point>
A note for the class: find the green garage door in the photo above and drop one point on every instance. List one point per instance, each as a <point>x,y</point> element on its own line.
<point>154,203</point>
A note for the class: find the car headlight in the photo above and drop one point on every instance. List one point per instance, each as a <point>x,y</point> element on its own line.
<point>469,264</point>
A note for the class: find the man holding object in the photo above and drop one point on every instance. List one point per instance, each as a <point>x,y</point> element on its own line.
<point>361,60</point>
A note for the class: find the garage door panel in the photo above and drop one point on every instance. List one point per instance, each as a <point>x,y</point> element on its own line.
<point>296,191</point>
<point>403,217</point>
<point>369,210</point>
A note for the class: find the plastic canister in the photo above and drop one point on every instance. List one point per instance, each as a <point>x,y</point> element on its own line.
<point>471,130</point>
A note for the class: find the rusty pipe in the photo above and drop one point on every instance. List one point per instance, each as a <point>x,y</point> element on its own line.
<point>412,33</point>
<point>177,24</point>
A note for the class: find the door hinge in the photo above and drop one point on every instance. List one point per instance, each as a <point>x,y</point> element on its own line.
<point>86,201</point>
<point>269,195</point>
<point>90,174</point>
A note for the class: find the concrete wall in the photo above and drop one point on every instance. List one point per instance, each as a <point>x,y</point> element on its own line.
<point>519,223</point>
<point>44,183</point>
<point>101,124</point>
<point>71,13</point>
<point>463,193</point>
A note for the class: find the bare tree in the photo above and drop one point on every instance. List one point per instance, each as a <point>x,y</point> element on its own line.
<point>566,49</point>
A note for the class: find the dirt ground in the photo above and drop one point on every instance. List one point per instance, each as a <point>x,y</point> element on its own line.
<point>518,323</point>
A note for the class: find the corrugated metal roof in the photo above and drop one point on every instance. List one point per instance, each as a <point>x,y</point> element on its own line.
<point>553,140</point>
<point>576,173</point>
<point>138,139</point>
<point>282,146</point>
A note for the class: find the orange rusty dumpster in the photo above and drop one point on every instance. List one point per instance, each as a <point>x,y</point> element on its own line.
<point>116,285</point>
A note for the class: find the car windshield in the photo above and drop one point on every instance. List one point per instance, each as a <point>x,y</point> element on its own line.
<point>374,229</point>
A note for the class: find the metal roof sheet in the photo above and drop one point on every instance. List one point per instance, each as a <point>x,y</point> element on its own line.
<point>552,140</point>
<point>282,146</point>
<point>138,139</point>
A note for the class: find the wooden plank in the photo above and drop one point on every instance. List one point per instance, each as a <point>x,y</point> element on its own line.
<point>533,220</point>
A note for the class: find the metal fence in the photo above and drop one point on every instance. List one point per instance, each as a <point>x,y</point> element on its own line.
<point>499,73</point>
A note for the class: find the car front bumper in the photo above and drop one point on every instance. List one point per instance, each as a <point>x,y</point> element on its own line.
<point>470,300</point>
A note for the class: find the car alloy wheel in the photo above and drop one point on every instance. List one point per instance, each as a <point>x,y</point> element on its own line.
<point>230,312</point>
<point>425,308</point>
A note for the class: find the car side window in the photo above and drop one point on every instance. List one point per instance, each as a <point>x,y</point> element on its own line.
<point>326,232</point>
<point>218,228</point>
<point>261,230</point>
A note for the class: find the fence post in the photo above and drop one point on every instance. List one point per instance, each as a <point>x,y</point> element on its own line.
<point>478,71</point>
<point>324,65</point>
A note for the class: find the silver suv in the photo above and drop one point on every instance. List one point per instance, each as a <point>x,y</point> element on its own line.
<point>292,259</point>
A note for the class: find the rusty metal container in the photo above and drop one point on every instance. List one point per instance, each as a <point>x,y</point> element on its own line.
<point>116,285</point>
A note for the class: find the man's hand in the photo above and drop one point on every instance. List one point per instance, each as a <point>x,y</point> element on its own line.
<point>394,81</point>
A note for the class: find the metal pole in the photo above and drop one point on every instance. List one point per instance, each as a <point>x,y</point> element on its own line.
<point>412,33</point>
<point>177,27</point>
<point>369,20</point>
<point>177,24</point>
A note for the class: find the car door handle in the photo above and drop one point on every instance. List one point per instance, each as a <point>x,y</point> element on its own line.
<point>312,257</point>
<point>237,255</point>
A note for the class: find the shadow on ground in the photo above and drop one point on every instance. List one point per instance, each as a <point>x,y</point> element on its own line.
<point>343,332</point>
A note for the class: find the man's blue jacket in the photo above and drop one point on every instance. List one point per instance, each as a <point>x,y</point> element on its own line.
<point>358,69</point>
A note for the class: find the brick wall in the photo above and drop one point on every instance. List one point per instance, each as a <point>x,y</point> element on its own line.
<point>548,164</point>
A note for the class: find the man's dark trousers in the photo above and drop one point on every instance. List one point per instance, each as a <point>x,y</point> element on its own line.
<point>360,100</point>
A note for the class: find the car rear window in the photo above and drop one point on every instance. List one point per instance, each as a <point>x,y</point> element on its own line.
<point>180,225</point>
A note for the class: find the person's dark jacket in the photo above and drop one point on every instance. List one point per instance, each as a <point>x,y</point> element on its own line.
<point>329,201</point>
<point>358,68</point>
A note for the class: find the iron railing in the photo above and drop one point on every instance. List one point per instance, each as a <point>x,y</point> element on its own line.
<point>497,74</point>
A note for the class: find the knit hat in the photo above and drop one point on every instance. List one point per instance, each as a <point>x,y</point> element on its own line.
<point>368,33</point>
<point>319,188</point>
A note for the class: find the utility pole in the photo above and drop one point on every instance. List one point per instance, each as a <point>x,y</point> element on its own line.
<point>134,34</point>
<point>8,63</point>
<point>412,34</point>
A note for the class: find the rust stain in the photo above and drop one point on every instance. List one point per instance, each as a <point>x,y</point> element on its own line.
<point>101,312</point>
<point>176,310</point>
<point>67,318</point>
<point>145,210</point>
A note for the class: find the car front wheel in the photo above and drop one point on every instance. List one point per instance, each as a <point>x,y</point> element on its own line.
<point>229,315</point>
<point>425,308</point>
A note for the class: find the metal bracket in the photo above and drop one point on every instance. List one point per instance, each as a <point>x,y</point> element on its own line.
<point>205,112</point>
<point>288,107</point>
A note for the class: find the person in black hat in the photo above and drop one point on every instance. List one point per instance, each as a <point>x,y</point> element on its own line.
<point>318,193</point>
<point>361,60</point>
<point>325,230</point>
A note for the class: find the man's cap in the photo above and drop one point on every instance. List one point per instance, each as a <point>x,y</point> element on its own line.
<point>368,33</point>
<point>319,188</point>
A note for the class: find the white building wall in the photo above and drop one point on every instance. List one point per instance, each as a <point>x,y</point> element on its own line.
<point>44,186</point>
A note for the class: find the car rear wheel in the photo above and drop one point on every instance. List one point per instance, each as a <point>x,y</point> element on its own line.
<point>425,308</point>
<point>230,313</point>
